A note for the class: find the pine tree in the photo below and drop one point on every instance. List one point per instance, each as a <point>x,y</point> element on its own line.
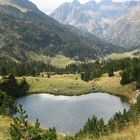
<point>138,82</point>
<point>49,75</point>
<point>125,77</point>
<point>82,76</point>
<point>49,135</point>
<point>21,129</point>
<point>7,104</point>
<point>3,71</point>
<point>87,76</point>
<point>110,71</point>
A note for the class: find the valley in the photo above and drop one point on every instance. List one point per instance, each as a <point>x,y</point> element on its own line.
<point>44,85</point>
<point>72,74</point>
<point>25,35</point>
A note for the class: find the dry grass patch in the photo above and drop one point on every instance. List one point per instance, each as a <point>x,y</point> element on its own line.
<point>112,85</point>
<point>120,55</point>
<point>61,61</point>
<point>4,127</point>
<point>128,133</point>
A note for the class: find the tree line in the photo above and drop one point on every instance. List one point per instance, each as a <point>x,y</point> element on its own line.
<point>13,88</point>
<point>131,72</point>
<point>7,104</point>
<point>31,68</point>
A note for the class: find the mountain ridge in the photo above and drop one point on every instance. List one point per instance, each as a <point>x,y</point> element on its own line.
<point>25,34</point>
<point>97,18</point>
<point>125,30</point>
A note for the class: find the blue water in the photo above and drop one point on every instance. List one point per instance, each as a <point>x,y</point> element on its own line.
<point>69,114</point>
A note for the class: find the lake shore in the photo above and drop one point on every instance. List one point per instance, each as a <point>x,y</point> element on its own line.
<point>5,122</point>
<point>68,83</point>
<point>72,85</point>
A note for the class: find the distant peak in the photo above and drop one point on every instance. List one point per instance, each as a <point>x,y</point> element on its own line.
<point>91,2</point>
<point>106,1</point>
<point>76,3</point>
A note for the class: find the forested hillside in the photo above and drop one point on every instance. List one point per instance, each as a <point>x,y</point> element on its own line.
<point>25,32</point>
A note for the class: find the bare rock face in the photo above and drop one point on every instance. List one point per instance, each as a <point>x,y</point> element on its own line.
<point>125,30</point>
<point>107,19</point>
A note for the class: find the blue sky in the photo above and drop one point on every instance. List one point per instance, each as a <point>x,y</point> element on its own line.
<point>48,6</point>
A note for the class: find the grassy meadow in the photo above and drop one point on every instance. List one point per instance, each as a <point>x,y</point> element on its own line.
<point>59,61</point>
<point>70,84</point>
<point>120,55</point>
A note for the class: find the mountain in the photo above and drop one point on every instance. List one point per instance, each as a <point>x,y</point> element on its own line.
<point>26,33</point>
<point>22,5</point>
<point>125,30</point>
<point>91,17</point>
<point>80,16</point>
<point>103,19</point>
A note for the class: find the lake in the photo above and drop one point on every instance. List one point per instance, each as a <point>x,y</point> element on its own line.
<point>69,113</point>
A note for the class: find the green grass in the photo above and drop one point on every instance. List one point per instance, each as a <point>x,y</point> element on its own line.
<point>70,84</point>
<point>59,61</point>
<point>67,84</point>
<point>120,55</point>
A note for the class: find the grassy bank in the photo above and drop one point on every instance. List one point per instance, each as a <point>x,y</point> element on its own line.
<point>59,85</point>
<point>5,125</point>
<point>112,85</point>
<point>128,133</point>
<point>69,85</point>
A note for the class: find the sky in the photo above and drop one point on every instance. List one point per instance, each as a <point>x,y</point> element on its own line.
<point>48,6</point>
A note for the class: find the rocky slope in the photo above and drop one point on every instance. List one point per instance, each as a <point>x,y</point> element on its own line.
<point>106,19</point>
<point>125,31</point>
<point>26,32</point>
